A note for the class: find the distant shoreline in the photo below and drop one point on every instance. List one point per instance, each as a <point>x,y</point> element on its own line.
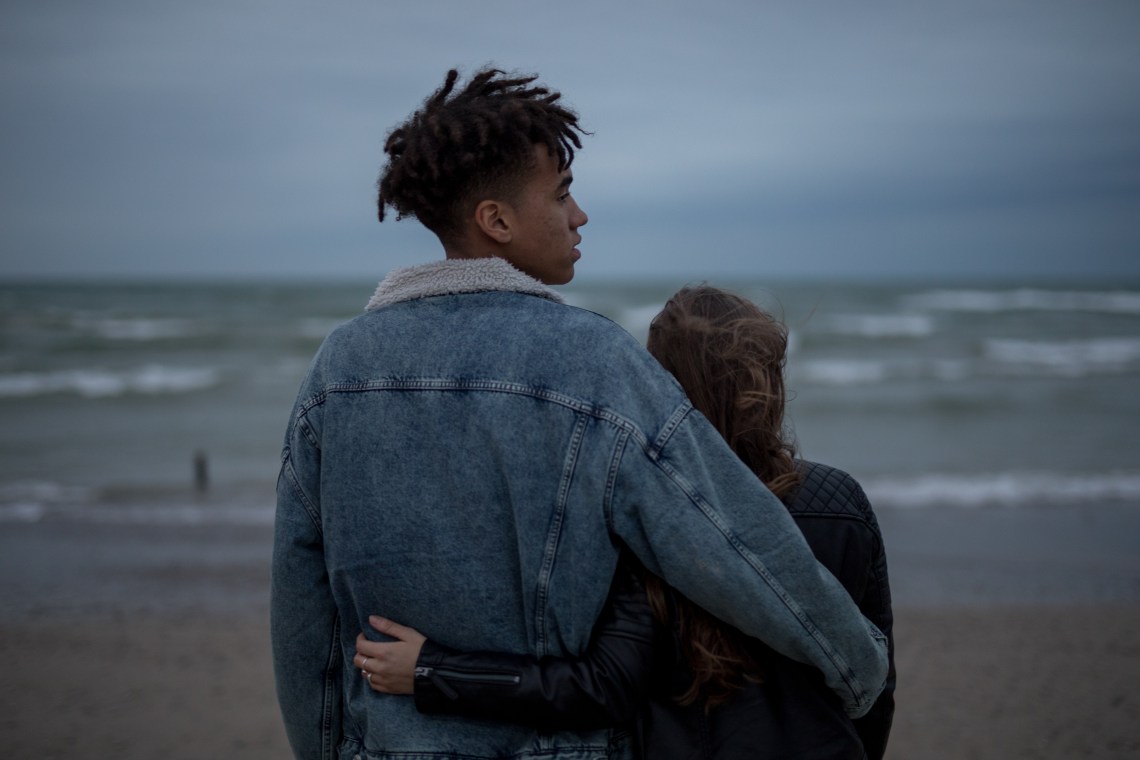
<point>937,557</point>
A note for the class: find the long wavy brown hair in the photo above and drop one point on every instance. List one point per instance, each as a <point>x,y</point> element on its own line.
<point>729,356</point>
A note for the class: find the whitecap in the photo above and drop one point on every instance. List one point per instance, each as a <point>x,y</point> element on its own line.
<point>882,325</point>
<point>41,491</point>
<point>158,379</point>
<point>99,383</point>
<point>1073,358</point>
<point>1026,299</point>
<point>1006,489</point>
<point>28,501</point>
<point>842,371</point>
<point>138,329</point>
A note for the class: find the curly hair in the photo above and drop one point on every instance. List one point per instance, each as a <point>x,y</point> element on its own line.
<point>460,147</point>
<point>729,356</point>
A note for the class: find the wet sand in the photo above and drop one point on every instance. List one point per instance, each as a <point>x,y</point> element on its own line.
<point>1018,636</point>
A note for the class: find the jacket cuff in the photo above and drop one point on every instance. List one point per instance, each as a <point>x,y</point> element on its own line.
<point>449,681</point>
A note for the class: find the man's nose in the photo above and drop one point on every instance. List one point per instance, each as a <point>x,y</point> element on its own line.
<point>579,217</point>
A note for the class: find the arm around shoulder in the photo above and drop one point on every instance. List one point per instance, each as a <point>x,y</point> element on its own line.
<point>698,517</point>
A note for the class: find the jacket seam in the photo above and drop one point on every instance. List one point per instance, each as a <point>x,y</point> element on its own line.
<point>294,484</point>
<point>861,520</point>
<point>655,448</point>
<point>554,534</point>
<point>331,695</point>
<point>612,477</point>
<point>841,665</point>
<point>429,384</point>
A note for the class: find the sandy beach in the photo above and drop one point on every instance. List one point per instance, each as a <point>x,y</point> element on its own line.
<point>1016,630</point>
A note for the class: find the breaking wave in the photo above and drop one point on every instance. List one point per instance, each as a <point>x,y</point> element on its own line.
<point>40,501</point>
<point>882,325</point>
<point>1026,299</point>
<point>138,329</point>
<point>1072,358</point>
<point>1002,489</point>
<point>99,383</point>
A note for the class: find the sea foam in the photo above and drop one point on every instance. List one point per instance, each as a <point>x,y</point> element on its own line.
<point>882,325</point>
<point>1002,489</point>
<point>843,371</point>
<point>137,329</point>
<point>36,501</point>
<point>96,382</point>
<point>1026,299</point>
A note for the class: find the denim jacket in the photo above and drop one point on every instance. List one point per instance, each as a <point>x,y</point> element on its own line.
<point>636,666</point>
<point>469,457</point>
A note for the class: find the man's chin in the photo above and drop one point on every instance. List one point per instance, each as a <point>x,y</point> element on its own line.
<point>560,279</point>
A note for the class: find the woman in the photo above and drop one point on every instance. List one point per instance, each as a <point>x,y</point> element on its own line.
<point>697,687</point>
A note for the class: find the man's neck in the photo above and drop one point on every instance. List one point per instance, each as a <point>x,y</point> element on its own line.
<point>468,247</point>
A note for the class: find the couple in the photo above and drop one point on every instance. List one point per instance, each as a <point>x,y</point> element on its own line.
<point>482,462</point>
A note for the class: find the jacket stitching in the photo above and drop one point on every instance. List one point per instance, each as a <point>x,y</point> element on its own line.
<point>612,477</point>
<point>428,384</point>
<point>555,533</point>
<point>679,414</point>
<point>330,697</point>
<point>842,668</point>
<point>295,485</point>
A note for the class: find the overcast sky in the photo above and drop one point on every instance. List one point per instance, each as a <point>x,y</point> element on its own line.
<point>232,138</point>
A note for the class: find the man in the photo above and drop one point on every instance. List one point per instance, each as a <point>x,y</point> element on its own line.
<point>471,455</point>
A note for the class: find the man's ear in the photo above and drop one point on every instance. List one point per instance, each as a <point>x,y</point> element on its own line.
<point>494,219</point>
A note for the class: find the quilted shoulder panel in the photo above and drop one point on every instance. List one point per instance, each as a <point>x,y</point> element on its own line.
<point>826,490</point>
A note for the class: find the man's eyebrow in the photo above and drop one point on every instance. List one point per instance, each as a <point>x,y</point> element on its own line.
<point>566,180</point>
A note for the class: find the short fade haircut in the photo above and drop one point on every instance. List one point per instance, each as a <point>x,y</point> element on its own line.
<point>461,147</point>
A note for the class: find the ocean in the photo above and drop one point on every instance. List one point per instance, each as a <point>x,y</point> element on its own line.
<point>993,427</point>
<point>936,397</point>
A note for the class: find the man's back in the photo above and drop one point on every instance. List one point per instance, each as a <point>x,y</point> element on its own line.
<point>454,452</point>
<point>471,463</point>
<point>462,435</point>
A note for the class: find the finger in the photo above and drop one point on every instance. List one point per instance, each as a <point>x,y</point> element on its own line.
<point>384,685</point>
<point>370,648</point>
<point>394,629</point>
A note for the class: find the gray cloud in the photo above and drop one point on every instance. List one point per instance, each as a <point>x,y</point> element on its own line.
<point>886,138</point>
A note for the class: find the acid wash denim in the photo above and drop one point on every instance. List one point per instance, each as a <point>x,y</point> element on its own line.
<point>472,465</point>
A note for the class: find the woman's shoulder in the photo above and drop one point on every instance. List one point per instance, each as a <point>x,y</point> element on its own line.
<point>825,490</point>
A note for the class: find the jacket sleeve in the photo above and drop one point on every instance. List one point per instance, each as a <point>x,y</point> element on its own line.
<point>842,531</point>
<point>695,515</point>
<point>605,686</point>
<point>304,625</point>
<point>839,524</point>
<point>875,726</point>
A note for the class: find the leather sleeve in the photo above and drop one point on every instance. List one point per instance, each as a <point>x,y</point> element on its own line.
<point>605,686</point>
<point>874,728</point>
<point>839,524</point>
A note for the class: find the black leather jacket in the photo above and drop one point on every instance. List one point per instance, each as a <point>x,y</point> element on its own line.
<point>634,666</point>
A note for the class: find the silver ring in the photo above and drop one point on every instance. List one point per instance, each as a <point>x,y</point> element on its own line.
<point>364,663</point>
<point>369,677</point>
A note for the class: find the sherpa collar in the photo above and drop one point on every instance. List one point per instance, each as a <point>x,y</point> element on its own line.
<point>455,276</point>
